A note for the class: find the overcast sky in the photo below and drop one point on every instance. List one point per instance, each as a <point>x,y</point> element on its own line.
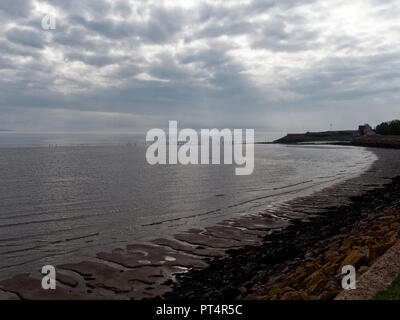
<point>287,65</point>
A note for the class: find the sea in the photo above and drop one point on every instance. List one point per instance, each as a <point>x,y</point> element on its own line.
<point>66,196</point>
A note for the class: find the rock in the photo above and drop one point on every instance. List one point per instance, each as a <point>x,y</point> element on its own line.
<point>328,295</point>
<point>329,268</point>
<point>313,279</point>
<point>331,254</point>
<point>332,285</point>
<point>300,276</point>
<point>377,250</point>
<point>373,234</point>
<point>375,227</point>
<point>391,237</point>
<point>384,229</point>
<point>366,239</point>
<point>395,226</point>
<point>318,287</point>
<point>362,269</point>
<point>347,243</point>
<point>292,295</point>
<point>354,258</point>
<point>243,291</point>
<point>230,293</point>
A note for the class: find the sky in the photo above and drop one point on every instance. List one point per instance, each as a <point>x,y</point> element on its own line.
<point>120,65</point>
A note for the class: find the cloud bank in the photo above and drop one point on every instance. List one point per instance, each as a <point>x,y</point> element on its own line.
<point>287,65</point>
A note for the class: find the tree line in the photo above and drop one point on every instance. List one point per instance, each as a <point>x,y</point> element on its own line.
<point>388,128</point>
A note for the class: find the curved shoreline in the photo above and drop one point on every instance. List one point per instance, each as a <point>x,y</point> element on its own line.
<point>227,260</point>
<point>247,272</point>
<point>59,231</point>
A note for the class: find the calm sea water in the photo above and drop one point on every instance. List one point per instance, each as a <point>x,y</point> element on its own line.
<point>65,197</point>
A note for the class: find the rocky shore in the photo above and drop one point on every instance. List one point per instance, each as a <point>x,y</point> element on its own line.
<point>278,254</point>
<point>321,277</point>
<point>303,261</point>
<point>374,283</point>
<point>378,141</point>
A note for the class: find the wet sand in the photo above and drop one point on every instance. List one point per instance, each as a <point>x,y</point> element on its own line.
<point>229,260</point>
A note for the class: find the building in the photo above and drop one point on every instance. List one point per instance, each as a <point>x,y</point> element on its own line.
<point>365,130</point>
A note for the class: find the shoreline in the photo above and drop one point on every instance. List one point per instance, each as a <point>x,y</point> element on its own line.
<point>231,252</point>
<point>378,277</point>
<point>367,245</point>
<point>247,271</point>
<point>252,271</point>
<point>340,138</point>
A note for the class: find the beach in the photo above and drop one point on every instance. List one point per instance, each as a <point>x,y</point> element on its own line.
<point>67,203</point>
<point>295,262</point>
<point>238,258</point>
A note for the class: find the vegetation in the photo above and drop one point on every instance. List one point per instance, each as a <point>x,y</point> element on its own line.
<point>343,136</point>
<point>330,133</point>
<point>389,128</point>
<point>391,293</point>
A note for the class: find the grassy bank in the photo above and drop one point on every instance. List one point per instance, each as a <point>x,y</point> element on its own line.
<point>347,137</point>
<point>343,136</point>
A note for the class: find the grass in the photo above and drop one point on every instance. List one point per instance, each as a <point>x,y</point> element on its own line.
<point>328,133</point>
<point>391,293</point>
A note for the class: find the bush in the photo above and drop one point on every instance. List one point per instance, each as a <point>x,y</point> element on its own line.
<point>389,128</point>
